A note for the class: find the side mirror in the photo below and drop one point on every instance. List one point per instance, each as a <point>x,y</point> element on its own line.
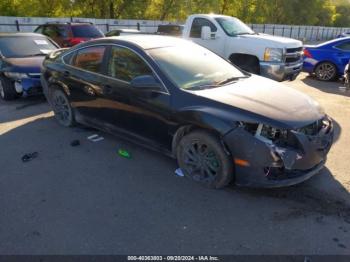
<point>146,83</point>
<point>206,33</point>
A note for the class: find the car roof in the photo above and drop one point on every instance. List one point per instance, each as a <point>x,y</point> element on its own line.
<point>21,34</point>
<point>209,15</point>
<point>67,24</point>
<point>146,41</point>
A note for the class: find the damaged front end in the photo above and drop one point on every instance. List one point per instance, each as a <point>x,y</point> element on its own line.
<point>279,157</point>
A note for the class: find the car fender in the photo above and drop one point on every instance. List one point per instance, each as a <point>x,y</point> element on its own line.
<point>207,118</point>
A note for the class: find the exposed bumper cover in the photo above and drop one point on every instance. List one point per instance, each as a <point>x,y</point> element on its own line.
<point>294,165</point>
<point>281,71</point>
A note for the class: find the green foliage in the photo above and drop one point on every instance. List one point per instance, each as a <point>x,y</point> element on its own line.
<point>299,12</point>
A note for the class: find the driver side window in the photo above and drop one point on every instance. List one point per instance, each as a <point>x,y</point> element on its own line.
<point>197,25</point>
<point>125,65</point>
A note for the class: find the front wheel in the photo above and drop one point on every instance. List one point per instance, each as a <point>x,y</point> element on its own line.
<point>7,89</point>
<point>202,157</point>
<point>64,113</point>
<point>326,71</point>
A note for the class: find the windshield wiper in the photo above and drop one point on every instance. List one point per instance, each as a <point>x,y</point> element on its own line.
<point>230,79</point>
<point>247,33</point>
<point>38,54</point>
<point>202,87</point>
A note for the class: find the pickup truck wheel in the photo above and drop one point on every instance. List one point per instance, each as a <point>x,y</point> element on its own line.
<point>202,158</point>
<point>326,71</point>
<point>247,63</point>
<point>62,109</point>
<point>7,89</point>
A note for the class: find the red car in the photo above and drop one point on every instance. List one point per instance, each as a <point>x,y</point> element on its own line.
<point>69,34</point>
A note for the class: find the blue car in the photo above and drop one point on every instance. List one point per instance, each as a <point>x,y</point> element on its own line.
<point>327,60</point>
<point>21,57</point>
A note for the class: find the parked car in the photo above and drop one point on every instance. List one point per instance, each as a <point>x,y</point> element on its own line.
<point>222,124</point>
<point>327,60</point>
<point>173,30</point>
<point>21,56</point>
<point>69,34</point>
<point>278,58</point>
<point>118,32</point>
<point>344,34</point>
<point>347,76</point>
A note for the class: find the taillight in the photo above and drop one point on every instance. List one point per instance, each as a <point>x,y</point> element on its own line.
<point>307,53</point>
<point>76,40</point>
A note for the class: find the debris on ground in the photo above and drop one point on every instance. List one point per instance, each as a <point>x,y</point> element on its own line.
<point>75,142</point>
<point>179,172</point>
<point>28,157</point>
<point>124,153</point>
<point>95,138</point>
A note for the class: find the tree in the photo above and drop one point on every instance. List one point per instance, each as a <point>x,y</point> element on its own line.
<point>301,12</point>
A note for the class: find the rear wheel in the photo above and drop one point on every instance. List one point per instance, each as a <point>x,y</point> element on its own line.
<point>202,158</point>
<point>62,108</point>
<point>326,71</point>
<point>7,89</point>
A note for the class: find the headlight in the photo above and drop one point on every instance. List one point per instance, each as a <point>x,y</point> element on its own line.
<point>273,55</point>
<point>15,75</point>
<point>265,133</point>
<point>271,133</point>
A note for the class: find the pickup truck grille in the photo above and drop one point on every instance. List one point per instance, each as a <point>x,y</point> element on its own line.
<point>294,55</point>
<point>293,50</point>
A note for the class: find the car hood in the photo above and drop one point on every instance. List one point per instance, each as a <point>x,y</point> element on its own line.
<point>267,99</point>
<point>25,64</point>
<point>273,41</point>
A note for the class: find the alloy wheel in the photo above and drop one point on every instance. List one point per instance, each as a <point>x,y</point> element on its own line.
<point>61,108</point>
<point>201,162</point>
<point>325,71</point>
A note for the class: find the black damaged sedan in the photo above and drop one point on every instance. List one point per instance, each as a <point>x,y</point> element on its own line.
<point>223,125</point>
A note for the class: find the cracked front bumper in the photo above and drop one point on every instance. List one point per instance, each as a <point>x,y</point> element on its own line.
<point>293,166</point>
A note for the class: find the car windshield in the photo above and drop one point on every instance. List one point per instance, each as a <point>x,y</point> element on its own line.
<point>233,26</point>
<point>23,46</point>
<point>87,31</point>
<point>194,67</point>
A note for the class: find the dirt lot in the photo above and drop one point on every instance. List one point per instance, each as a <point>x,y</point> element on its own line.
<point>88,200</point>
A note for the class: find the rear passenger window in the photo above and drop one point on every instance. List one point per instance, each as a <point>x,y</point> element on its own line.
<point>126,65</point>
<point>344,46</point>
<point>90,58</point>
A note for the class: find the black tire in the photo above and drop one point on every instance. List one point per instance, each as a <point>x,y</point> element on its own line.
<point>202,158</point>
<point>326,71</point>
<point>7,89</point>
<point>61,107</point>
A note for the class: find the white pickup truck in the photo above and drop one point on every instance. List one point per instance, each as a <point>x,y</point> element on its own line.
<point>279,58</point>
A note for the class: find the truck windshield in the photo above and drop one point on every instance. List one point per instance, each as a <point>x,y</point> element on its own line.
<point>23,46</point>
<point>193,67</point>
<point>233,26</point>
